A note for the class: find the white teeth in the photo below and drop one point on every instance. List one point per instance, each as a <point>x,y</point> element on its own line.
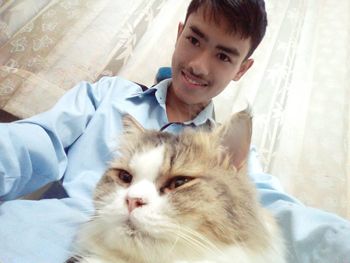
<point>193,81</point>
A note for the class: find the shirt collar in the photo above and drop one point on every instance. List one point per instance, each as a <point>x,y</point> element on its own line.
<point>205,117</point>
<point>140,93</point>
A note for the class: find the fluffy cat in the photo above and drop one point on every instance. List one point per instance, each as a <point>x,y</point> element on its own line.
<point>180,198</point>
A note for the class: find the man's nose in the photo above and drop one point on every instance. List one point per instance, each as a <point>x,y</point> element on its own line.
<point>200,64</point>
<point>134,202</point>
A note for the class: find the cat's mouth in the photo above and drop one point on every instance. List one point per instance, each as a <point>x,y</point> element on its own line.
<point>135,232</point>
<point>130,226</point>
<point>132,230</point>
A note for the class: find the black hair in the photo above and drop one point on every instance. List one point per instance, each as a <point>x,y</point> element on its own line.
<point>245,17</point>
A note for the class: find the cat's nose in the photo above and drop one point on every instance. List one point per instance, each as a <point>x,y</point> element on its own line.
<point>133,203</point>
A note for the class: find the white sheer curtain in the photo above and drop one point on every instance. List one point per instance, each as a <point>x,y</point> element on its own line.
<point>300,92</point>
<point>298,86</point>
<point>301,100</point>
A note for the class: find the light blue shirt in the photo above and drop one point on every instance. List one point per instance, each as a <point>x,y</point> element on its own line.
<point>73,142</point>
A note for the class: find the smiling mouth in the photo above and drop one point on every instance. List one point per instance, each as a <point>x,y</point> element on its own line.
<point>193,81</point>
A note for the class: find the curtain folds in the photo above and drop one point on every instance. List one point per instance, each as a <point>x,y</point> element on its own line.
<point>64,42</point>
<point>298,87</point>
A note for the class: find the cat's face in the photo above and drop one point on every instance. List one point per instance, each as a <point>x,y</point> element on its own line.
<point>177,189</point>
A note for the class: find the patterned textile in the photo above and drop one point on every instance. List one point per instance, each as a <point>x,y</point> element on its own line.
<point>298,86</point>
<point>56,44</point>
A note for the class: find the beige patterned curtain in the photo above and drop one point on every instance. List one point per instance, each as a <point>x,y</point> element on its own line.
<point>298,86</point>
<point>47,46</point>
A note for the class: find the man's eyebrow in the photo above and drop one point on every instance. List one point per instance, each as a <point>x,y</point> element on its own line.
<point>229,50</point>
<point>198,32</point>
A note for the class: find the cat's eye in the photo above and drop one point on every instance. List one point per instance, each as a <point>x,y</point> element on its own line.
<point>176,182</point>
<point>125,177</point>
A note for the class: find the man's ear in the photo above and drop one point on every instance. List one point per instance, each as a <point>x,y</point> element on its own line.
<point>246,64</point>
<point>180,28</point>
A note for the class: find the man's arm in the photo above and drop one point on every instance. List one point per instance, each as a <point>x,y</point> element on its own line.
<point>311,235</point>
<point>33,152</point>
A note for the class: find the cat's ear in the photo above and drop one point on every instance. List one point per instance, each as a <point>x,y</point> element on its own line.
<point>235,137</point>
<point>131,126</point>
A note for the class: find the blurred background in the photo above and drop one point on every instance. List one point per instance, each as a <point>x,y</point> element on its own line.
<point>299,86</point>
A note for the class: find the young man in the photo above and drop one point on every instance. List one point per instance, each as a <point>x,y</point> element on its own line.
<point>74,141</point>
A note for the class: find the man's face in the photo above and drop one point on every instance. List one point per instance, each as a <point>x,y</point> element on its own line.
<point>206,59</point>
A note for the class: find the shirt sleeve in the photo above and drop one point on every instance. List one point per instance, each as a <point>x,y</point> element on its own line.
<point>33,152</point>
<point>310,235</point>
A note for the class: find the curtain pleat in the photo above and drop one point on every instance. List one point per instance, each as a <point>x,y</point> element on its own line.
<point>298,87</point>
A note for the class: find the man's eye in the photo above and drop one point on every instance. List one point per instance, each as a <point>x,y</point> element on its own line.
<point>125,177</point>
<point>194,41</point>
<point>176,182</point>
<point>224,57</point>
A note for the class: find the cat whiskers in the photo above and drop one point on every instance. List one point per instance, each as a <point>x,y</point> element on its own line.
<point>195,240</point>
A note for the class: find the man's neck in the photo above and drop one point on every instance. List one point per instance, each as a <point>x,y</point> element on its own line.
<point>179,111</point>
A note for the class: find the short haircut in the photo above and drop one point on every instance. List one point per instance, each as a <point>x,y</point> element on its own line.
<point>245,17</point>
